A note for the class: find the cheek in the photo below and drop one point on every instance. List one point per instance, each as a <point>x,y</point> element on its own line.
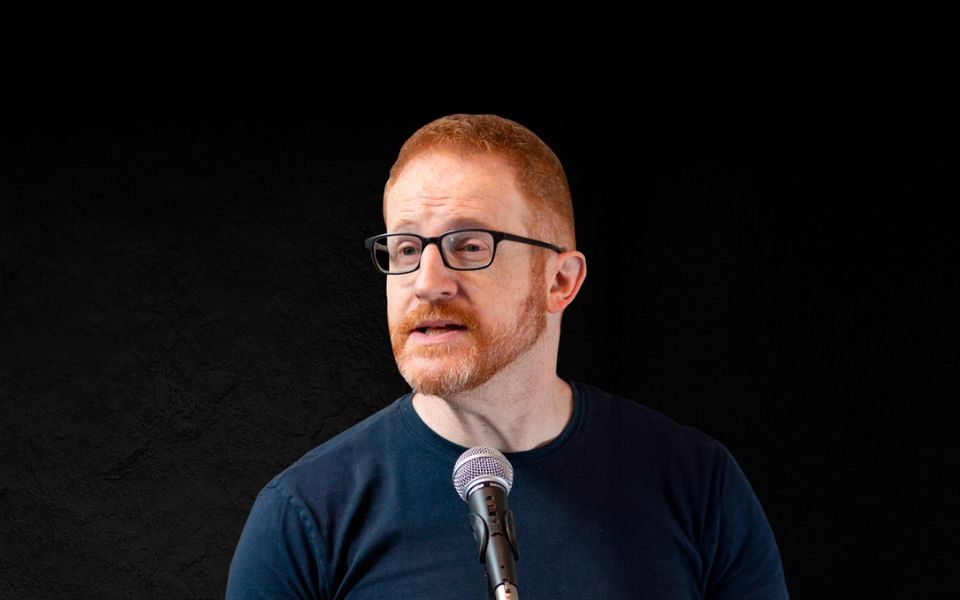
<point>512,279</point>
<point>393,302</point>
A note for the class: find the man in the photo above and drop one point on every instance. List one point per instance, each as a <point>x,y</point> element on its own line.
<point>611,499</point>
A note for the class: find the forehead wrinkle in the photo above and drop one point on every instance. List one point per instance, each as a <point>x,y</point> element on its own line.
<point>440,175</point>
<point>439,188</point>
<point>466,211</point>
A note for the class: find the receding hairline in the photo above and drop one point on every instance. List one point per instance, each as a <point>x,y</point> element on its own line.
<point>467,155</point>
<point>455,151</point>
<point>537,172</point>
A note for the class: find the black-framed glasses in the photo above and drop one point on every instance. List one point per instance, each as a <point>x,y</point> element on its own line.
<point>461,249</point>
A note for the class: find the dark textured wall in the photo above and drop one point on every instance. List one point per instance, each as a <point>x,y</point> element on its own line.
<point>186,308</point>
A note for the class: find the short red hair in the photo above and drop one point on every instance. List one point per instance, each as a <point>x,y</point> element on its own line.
<point>538,172</point>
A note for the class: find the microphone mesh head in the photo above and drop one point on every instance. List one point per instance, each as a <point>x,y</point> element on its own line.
<point>484,464</point>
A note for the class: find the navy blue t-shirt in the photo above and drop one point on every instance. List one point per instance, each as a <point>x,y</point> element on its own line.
<point>625,503</point>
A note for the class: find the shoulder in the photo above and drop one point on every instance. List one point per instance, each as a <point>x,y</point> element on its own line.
<point>616,411</point>
<point>636,432</point>
<point>342,457</point>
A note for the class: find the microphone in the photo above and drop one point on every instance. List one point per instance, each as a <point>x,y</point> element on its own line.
<point>483,478</point>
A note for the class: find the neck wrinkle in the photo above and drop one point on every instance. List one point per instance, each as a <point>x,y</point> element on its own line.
<point>517,422</point>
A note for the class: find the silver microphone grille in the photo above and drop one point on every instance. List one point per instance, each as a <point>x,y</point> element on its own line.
<point>483,464</point>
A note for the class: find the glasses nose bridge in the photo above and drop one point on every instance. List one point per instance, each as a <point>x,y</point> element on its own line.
<point>426,241</point>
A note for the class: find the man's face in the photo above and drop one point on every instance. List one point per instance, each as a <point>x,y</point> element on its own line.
<point>481,320</point>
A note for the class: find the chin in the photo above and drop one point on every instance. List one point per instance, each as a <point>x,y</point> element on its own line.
<point>440,377</point>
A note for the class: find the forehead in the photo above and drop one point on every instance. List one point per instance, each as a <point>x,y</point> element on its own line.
<point>443,190</point>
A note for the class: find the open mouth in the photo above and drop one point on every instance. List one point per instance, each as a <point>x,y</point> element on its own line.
<point>438,328</point>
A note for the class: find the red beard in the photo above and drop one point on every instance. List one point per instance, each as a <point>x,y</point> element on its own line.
<point>472,361</point>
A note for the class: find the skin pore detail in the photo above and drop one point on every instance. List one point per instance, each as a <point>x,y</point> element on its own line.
<point>478,347</point>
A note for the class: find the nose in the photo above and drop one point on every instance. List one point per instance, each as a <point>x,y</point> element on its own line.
<point>434,280</point>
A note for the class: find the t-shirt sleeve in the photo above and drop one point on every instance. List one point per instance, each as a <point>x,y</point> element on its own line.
<point>743,561</point>
<point>276,556</point>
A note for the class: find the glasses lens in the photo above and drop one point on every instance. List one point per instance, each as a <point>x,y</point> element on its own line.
<point>397,253</point>
<point>468,249</point>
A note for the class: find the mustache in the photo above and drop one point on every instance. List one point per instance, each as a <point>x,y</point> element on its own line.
<point>437,312</point>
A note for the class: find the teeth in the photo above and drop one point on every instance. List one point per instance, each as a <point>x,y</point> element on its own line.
<point>438,330</point>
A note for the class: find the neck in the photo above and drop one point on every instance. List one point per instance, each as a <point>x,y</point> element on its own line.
<point>512,412</point>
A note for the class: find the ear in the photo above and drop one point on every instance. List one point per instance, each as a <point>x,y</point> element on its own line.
<point>568,274</point>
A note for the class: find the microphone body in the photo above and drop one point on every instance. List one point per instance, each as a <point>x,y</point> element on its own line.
<point>493,529</point>
<point>483,478</point>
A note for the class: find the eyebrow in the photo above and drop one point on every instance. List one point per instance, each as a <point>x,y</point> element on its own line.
<point>455,224</point>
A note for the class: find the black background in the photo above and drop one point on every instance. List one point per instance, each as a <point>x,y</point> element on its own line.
<point>186,308</point>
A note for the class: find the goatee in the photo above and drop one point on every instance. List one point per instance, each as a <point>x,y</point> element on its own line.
<point>487,351</point>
